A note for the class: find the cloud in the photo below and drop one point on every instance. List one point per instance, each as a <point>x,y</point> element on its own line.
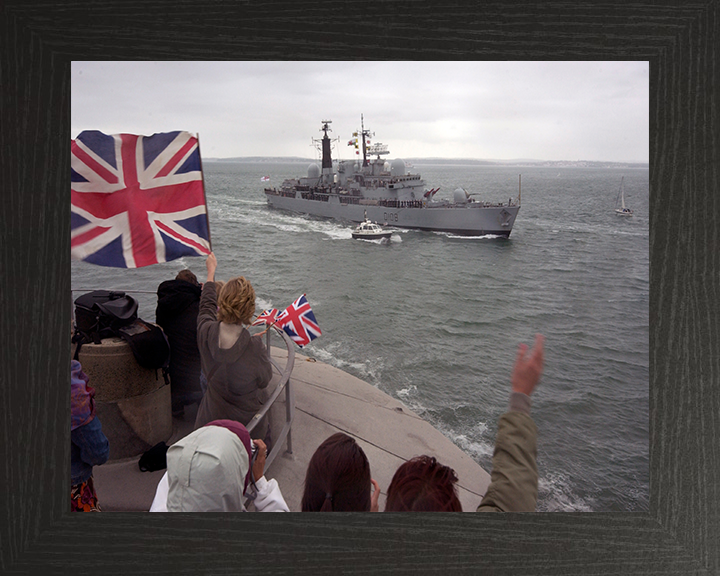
<point>496,110</point>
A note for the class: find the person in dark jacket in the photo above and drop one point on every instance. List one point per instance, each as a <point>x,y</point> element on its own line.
<point>89,446</point>
<point>176,313</point>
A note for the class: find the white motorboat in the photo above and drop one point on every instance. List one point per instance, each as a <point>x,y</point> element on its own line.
<point>368,230</point>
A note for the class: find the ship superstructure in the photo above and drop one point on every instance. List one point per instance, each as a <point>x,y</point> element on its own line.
<point>386,193</point>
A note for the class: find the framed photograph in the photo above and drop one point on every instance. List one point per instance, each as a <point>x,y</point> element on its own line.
<point>671,530</point>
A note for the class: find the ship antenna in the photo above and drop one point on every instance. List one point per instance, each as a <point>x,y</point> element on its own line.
<point>364,133</point>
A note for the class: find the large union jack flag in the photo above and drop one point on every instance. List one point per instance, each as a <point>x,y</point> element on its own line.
<point>298,322</point>
<point>137,200</point>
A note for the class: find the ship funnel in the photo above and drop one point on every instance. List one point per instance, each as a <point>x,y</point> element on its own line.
<point>326,157</point>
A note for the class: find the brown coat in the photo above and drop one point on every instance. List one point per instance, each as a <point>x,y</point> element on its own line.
<point>239,375</point>
<point>514,479</point>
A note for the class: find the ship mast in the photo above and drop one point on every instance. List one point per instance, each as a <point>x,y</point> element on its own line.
<point>364,133</point>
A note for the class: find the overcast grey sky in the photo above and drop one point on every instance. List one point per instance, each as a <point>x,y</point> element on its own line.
<point>484,110</point>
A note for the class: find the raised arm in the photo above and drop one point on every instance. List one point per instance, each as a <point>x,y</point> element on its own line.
<point>211,265</point>
<point>207,313</point>
<point>514,478</point>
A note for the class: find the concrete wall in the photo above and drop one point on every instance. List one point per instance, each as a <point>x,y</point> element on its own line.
<point>132,403</point>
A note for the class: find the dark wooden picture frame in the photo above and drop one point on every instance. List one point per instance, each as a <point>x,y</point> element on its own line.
<point>679,535</point>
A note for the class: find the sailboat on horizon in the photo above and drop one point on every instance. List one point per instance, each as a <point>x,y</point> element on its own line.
<point>622,210</point>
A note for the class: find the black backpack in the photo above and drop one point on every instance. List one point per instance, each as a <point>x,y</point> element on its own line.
<point>100,313</point>
<point>148,343</point>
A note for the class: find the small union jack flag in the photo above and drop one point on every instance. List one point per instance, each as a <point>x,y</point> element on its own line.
<point>298,322</point>
<point>266,317</point>
<point>137,200</point>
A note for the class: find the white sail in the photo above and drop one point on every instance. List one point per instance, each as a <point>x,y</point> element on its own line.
<point>623,210</point>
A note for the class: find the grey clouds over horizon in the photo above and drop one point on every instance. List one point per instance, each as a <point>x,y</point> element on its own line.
<point>594,111</point>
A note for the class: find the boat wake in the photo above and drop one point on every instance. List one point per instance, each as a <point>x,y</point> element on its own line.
<point>302,224</point>
<point>452,236</point>
<point>393,239</point>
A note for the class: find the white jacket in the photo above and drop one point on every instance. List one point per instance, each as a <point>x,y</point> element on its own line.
<point>206,473</point>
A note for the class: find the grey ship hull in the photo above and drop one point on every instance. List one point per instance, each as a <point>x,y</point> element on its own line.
<point>385,193</point>
<point>473,219</point>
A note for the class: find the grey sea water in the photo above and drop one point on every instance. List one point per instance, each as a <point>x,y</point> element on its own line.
<point>435,320</point>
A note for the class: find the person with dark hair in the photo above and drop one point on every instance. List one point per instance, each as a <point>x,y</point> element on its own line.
<point>338,478</point>
<point>176,313</point>
<point>423,484</point>
<point>214,469</point>
<point>237,365</point>
<point>89,446</point>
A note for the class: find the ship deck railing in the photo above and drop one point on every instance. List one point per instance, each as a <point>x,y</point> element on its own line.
<point>284,387</point>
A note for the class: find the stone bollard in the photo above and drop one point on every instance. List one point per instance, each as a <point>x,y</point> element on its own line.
<point>132,403</point>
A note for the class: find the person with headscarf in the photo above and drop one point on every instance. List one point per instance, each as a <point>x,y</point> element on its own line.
<point>212,470</point>
<point>176,313</point>
<point>89,446</point>
<point>237,365</point>
<point>338,478</point>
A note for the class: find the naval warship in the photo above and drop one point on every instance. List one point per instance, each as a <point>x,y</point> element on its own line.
<point>382,191</point>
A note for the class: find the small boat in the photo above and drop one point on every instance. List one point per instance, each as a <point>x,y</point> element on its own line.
<point>623,210</point>
<point>368,230</point>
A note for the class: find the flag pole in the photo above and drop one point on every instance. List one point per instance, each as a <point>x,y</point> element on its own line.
<point>202,175</point>
<point>269,326</point>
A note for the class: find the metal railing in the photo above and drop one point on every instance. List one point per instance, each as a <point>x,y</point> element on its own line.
<point>283,385</point>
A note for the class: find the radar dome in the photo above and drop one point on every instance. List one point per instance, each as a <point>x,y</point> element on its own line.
<point>313,171</point>
<point>460,196</point>
<point>397,168</point>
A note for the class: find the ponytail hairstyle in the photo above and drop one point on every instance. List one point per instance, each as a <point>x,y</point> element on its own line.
<point>337,478</point>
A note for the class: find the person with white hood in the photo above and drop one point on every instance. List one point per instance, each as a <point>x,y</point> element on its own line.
<point>212,470</point>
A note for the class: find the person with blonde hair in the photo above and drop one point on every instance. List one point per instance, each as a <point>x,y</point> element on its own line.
<point>236,365</point>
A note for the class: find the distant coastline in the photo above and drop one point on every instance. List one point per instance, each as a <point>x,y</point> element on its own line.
<point>452,161</point>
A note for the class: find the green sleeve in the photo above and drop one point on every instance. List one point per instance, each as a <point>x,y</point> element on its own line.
<point>514,479</point>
